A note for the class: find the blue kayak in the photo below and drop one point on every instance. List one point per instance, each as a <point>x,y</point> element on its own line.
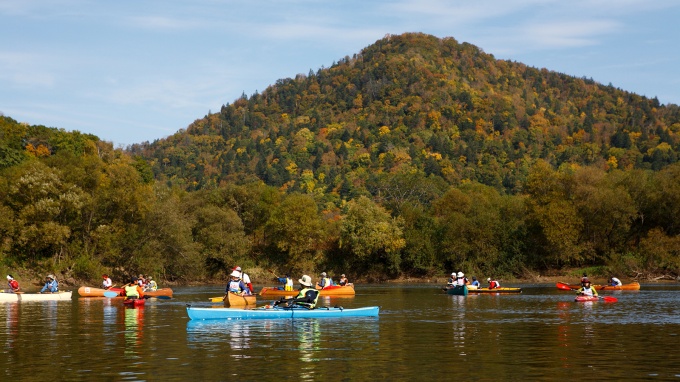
<point>278,312</point>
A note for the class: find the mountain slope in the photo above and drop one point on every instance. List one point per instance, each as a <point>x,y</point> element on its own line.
<point>416,103</point>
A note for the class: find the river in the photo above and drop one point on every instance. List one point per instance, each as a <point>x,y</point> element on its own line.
<point>421,334</point>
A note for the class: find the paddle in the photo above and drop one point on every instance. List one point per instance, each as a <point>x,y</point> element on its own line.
<point>609,298</point>
<point>110,294</point>
<point>216,299</point>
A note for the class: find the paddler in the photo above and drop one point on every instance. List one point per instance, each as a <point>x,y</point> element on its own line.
<point>246,279</point>
<point>586,289</point>
<point>133,290</point>
<point>613,281</point>
<point>151,285</point>
<point>12,284</point>
<point>236,285</point>
<point>325,281</point>
<point>307,297</point>
<point>493,284</point>
<point>343,280</point>
<point>106,282</point>
<point>51,285</point>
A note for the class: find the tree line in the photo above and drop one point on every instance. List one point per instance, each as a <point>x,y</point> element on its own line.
<point>73,205</point>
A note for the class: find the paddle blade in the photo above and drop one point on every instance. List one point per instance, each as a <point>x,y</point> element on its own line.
<point>563,286</point>
<point>610,299</point>
<point>216,299</point>
<point>110,294</point>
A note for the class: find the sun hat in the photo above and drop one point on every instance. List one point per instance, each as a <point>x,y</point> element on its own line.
<point>453,274</point>
<point>50,277</point>
<point>342,275</point>
<point>489,279</point>
<point>461,274</point>
<point>235,274</point>
<point>305,280</point>
<point>9,277</point>
<point>323,274</point>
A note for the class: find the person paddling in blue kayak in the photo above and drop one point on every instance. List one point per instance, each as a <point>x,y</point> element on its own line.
<point>307,297</point>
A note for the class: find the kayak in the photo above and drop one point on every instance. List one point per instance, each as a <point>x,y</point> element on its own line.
<point>85,291</point>
<point>631,286</point>
<point>35,296</point>
<point>134,302</point>
<point>586,298</point>
<point>167,292</point>
<point>278,312</point>
<point>563,286</point>
<point>234,299</point>
<point>336,290</point>
<point>458,290</point>
<point>495,290</point>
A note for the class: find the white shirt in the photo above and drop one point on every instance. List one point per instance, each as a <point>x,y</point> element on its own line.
<point>107,283</point>
<point>616,282</point>
<point>245,278</point>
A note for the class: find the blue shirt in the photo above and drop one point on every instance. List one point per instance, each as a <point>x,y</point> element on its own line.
<point>50,286</point>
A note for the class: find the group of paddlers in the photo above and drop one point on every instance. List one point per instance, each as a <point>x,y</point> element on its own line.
<point>51,285</point>
<point>459,279</point>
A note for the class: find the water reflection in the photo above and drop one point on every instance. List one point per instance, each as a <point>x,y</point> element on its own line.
<point>11,313</point>
<point>134,323</point>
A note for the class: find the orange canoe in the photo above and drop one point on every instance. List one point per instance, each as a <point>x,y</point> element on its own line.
<point>234,299</point>
<point>631,286</point>
<point>85,291</point>
<point>347,290</point>
<point>167,292</point>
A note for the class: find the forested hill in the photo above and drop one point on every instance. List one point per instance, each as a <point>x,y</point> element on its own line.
<point>417,103</point>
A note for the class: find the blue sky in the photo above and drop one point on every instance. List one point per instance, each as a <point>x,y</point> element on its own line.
<point>131,71</point>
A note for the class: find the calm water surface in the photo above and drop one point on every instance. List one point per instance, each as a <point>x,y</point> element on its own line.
<point>422,333</point>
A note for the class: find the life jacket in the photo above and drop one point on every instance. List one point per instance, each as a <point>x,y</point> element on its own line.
<point>326,282</point>
<point>131,291</point>
<point>13,285</point>
<point>235,286</point>
<point>493,284</point>
<point>289,284</point>
<point>152,286</point>
<point>590,291</point>
<point>307,297</point>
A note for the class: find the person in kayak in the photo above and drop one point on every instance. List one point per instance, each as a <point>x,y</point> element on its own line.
<point>133,290</point>
<point>51,285</point>
<point>236,285</point>
<point>452,280</point>
<point>307,297</point>
<point>245,278</point>
<point>493,284</point>
<point>613,281</point>
<point>586,289</point>
<point>287,282</point>
<point>325,281</point>
<point>151,285</point>
<point>475,282</point>
<point>461,279</point>
<point>12,284</point>
<point>343,280</point>
<point>584,278</point>
<point>106,283</point>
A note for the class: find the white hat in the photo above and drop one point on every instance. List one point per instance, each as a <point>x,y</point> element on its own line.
<point>489,279</point>
<point>460,274</point>
<point>236,274</point>
<point>9,277</point>
<point>453,274</point>
<point>323,274</point>
<point>237,269</point>
<point>50,277</point>
<point>306,281</point>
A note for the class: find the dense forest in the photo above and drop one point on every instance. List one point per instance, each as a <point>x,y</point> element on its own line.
<point>415,157</point>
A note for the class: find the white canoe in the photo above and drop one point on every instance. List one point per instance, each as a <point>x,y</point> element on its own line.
<point>35,296</point>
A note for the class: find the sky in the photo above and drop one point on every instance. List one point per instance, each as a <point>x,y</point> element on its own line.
<point>131,71</point>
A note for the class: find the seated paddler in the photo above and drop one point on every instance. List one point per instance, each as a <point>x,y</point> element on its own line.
<point>307,296</point>
<point>236,285</point>
<point>133,290</point>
